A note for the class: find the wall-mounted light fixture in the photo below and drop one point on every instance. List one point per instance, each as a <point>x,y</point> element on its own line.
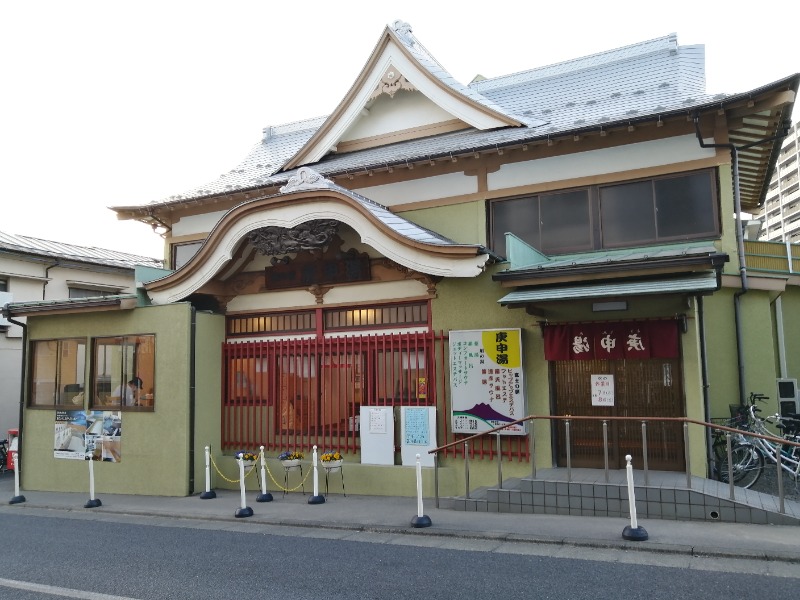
<point>609,306</point>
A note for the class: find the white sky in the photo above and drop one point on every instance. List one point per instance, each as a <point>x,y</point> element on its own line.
<point>109,103</point>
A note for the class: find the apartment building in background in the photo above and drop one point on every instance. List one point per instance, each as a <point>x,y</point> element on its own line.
<point>780,213</point>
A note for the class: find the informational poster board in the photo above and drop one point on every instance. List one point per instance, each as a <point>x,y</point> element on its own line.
<point>486,380</point>
<point>417,434</point>
<point>81,435</point>
<point>602,390</point>
<point>377,435</point>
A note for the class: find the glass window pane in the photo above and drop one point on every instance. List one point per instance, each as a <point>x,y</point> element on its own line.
<point>565,221</point>
<point>685,206</point>
<point>124,371</point>
<point>627,213</point>
<point>518,216</point>
<point>183,253</point>
<point>43,373</point>
<point>57,372</point>
<point>71,367</point>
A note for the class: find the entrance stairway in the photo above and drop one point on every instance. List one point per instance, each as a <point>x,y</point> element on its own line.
<point>665,496</point>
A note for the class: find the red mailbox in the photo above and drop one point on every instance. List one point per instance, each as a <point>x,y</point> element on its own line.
<point>13,446</point>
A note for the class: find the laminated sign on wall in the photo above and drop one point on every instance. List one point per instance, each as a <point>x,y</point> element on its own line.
<point>486,380</point>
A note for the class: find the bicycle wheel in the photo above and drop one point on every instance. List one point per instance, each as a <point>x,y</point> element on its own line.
<point>748,464</point>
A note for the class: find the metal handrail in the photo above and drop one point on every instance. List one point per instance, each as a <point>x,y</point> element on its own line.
<point>686,421</point>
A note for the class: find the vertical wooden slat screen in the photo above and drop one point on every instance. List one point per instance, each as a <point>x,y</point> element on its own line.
<point>326,381</point>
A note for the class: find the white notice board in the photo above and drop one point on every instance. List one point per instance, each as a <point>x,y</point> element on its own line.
<point>417,434</point>
<point>377,435</point>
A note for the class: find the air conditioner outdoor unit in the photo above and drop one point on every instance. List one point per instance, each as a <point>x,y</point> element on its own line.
<point>787,396</point>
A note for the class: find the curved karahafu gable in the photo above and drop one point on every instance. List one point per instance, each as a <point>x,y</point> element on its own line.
<point>308,197</point>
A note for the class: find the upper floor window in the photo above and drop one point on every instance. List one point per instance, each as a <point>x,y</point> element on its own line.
<point>3,285</point>
<point>57,373</point>
<point>124,372</point>
<point>183,253</point>
<point>379,316</point>
<point>652,211</point>
<point>87,293</point>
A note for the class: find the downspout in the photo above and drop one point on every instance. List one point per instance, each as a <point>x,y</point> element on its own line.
<point>21,383</point>
<point>192,399</point>
<point>701,323</point>
<point>737,207</point>
<point>47,278</point>
<point>781,337</point>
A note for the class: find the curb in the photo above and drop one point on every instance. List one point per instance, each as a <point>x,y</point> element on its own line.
<point>621,544</point>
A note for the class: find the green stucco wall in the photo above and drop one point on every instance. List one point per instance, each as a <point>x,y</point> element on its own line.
<point>759,365</point>
<point>210,335</point>
<point>155,445</point>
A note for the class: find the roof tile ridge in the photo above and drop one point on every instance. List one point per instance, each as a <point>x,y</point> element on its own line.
<point>667,42</point>
<point>74,247</point>
<point>294,126</point>
<point>411,42</point>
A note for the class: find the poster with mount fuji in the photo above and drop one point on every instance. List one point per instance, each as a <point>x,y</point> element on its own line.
<point>486,380</point>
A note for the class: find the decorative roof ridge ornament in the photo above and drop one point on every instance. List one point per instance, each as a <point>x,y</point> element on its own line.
<point>306,179</point>
<point>392,81</point>
<point>403,31</point>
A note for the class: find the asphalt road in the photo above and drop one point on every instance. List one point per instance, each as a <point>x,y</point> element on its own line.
<point>52,554</point>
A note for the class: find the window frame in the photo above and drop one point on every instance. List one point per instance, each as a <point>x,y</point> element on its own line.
<point>147,400</point>
<point>597,241</point>
<point>57,381</point>
<point>173,250</point>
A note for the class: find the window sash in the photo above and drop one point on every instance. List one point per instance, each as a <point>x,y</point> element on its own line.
<point>57,372</point>
<point>117,361</point>
<point>625,214</point>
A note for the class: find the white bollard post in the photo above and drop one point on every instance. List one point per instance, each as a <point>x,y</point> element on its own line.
<point>264,496</point>
<point>420,519</point>
<point>243,510</point>
<point>632,532</point>
<point>93,502</point>
<point>316,498</point>
<point>18,498</point>
<point>209,493</point>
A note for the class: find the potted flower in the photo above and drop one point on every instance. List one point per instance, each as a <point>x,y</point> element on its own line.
<point>290,458</point>
<point>331,460</point>
<point>249,458</point>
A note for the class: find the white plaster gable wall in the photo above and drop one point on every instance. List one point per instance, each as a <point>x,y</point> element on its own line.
<point>376,292</point>
<point>290,216</point>
<point>430,188</point>
<point>344,294</point>
<point>280,300</point>
<point>58,288</point>
<point>394,57</point>
<point>10,267</point>
<point>196,223</point>
<point>387,115</point>
<point>599,162</point>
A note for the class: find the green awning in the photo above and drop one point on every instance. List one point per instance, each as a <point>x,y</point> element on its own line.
<point>693,283</point>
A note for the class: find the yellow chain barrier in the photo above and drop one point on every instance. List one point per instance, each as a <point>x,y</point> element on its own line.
<point>253,470</point>
<point>246,475</point>
<point>297,487</point>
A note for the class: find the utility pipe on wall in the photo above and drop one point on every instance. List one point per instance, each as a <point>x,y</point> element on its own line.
<point>737,207</point>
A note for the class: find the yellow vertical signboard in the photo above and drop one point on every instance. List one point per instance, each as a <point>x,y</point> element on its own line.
<point>486,380</point>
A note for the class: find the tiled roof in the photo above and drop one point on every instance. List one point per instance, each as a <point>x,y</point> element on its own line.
<point>692,283</point>
<point>644,80</point>
<point>21,244</point>
<point>308,178</point>
<point>426,60</point>
<point>625,255</point>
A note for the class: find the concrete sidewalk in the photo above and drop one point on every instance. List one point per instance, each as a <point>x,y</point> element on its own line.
<point>393,515</point>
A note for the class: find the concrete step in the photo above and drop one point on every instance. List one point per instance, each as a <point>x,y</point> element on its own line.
<point>664,496</point>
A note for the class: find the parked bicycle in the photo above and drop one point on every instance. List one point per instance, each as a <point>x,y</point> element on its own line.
<point>3,456</point>
<point>750,453</point>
